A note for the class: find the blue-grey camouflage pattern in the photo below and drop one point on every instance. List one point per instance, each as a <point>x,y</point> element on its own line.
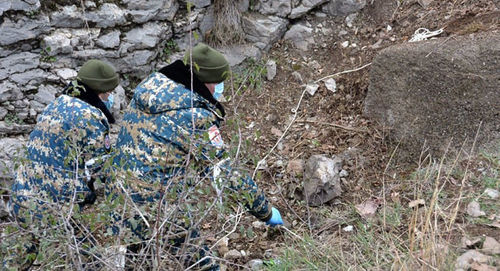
<point>165,124</point>
<point>68,134</point>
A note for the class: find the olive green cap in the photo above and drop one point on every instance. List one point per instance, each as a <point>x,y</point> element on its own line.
<point>98,75</point>
<point>210,66</point>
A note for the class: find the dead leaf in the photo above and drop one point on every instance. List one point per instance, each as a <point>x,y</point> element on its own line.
<point>417,202</point>
<point>395,197</point>
<point>368,208</point>
<point>275,131</point>
<point>482,267</point>
<point>474,210</point>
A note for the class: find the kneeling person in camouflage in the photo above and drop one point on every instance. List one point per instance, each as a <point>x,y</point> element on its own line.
<point>169,144</point>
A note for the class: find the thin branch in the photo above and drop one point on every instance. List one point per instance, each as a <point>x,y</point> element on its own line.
<point>342,72</point>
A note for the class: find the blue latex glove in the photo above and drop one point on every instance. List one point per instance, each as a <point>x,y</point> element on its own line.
<point>275,218</point>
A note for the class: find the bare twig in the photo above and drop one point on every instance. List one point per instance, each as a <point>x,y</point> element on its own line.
<point>335,125</point>
<point>342,72</point>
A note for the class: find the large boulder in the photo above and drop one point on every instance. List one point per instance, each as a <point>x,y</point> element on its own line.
<point>434,91</point>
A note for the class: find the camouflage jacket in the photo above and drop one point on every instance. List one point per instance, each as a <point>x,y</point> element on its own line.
<point>64,152</point>
<point>167,129</point>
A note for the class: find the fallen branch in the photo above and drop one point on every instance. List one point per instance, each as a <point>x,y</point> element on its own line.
<point>335,125</point>
<point>342,72</point>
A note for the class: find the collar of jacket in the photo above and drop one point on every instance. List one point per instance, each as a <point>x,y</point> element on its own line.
<point>81,91</point>
<point>181,74</point>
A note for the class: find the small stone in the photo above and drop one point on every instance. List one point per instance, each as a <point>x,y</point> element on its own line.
<point>295,167</point>
<point>90,4</point>
<point>315,65</point>
<point>471,243</point>
<point>311,88</point>
<point>258,224</point>
<point>271,69</point>
<point>425,3</point>
<point>256,264</point>
<point>343,173</point>
<point>474,209</point>
<point>348,228</point>
<point>349,20</point>
<point>345,44</point>
<point>492,193</point>
<point>222,246</point>
<point>233,254</point>
<point>342,33</point>
<point>389,28</point>
<point>331,85</point>
<point>297,77</point>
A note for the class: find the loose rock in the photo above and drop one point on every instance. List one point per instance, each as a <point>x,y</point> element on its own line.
<point>263,31</point>
<point>321,179</point>
<point>233,254</point>
<point>295,167</point>
<point>256,264</point>
<point>301,36</point>
<point>311,88</point>
<point>271,69</point>
<point>331,85</point>
<point>474,210</point>
<point>492,193</point>
<point>472,256</point>
<point>491,246</point>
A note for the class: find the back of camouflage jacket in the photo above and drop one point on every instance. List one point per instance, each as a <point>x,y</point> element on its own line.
<point>69,134</point>
<point>166,129</point>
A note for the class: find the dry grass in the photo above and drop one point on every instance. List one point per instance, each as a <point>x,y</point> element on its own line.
<point>402,235</point>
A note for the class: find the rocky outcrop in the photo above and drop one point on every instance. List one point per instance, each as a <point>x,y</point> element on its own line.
<point>437,91</point>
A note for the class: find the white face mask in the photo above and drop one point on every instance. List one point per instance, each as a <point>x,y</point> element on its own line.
<point>110,101</point>
<point>219,89</point>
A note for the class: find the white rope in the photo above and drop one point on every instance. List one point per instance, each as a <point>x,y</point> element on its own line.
<point>424,33</point>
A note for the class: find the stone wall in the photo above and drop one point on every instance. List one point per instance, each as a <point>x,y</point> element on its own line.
<point>43,42</point>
